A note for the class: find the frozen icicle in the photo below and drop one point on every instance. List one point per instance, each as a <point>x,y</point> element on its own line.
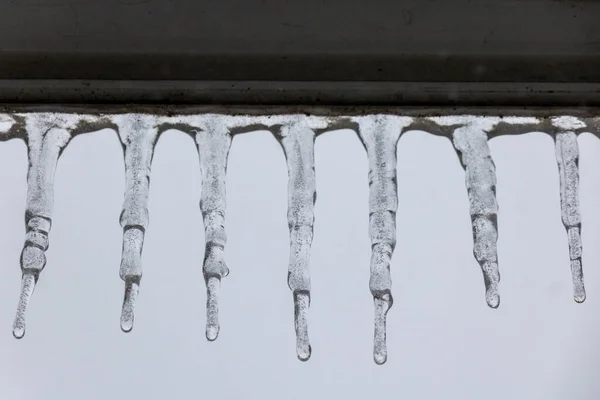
<point>138,133</point>
<point>47,136</point>
<point>380,135</point>
<point>213,144</point>
<point>471,142</point>
<point>567,156</point>
<point>297,140</point>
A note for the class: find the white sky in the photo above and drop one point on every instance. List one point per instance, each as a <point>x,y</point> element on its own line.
<point>443,340</point>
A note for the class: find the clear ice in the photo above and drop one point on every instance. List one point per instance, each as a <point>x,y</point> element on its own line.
<point>471,143</point>
<point>138,134</point>
<point>213,142</point>
<point>380,134</point>
<point>47,136</point>
<point>567,156</point>
<point>297,140</point>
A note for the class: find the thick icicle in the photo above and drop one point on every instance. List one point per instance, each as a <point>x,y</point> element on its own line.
<point>471,142</point>
<point>138,133</point>
<point>46,138</point>
<point>380,135</point>
<point>297,140</point>
<point>213,144</point>
<point>567,156</point>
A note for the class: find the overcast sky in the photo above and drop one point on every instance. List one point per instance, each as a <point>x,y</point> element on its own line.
<point>443,340</point>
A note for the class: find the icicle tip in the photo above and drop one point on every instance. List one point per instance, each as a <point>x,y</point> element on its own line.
<point>27,286</point>
<point>493,299</point>
<point>127,313</point>
<point>213,284</point>
<point>383,304</point>
<point>301,306</point>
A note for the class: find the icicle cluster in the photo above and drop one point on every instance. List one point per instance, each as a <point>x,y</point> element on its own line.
<point>47,135</point>
<point>567,157</point>
<point>297,140</point>
<point>138,134</point>
<point>380,135</point>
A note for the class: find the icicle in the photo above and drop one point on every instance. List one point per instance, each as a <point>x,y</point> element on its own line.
<point>138,134</point>
<point>567,157</point>
<point>45,141</point>
<point>297,140</point>
<point>471,142</point>
<point>213,144</point>
<point>380,135</point>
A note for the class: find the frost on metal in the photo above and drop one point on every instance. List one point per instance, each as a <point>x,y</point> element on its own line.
<point>138,134</point>
<point>380,134</point>
<point>47,135</point>
<point>567,157</point>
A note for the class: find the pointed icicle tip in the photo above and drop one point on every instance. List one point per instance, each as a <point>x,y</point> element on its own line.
<point>127,313</point>
<point>27,286</point>
<point>382,306</point>
<point>492,297</point>
<point>301,306</point>
<point>213,284</point>
<point>578,287</point>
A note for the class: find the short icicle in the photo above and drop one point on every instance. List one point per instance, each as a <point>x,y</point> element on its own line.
<point>567,156</point>
<point>213,143</point>
<point>471,143</point>
<point>297,140</point>
<point>46,138</point>
<point>138,135</point>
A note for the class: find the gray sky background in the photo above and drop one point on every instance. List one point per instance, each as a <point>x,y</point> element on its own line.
<point>443,340</point>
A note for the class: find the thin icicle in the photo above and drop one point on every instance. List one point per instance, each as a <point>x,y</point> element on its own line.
<point>567,156</point>
<point>46,138</point>
<point>380,135</point>
<point>213,144</point>
<point>138,133</point>
<point>471,142</point>
<point>297,140</point>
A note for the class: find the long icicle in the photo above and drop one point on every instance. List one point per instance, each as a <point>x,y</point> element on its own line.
<point>380,136</point>
<point>45,143</point>
<point>213,144</point>
<point>297,141</point>
<point>567,156</point>
<point>138,134</point>
<point>471,143</point>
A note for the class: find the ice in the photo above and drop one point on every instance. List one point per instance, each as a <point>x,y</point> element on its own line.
<point>380,134</point>
<point>47,136</point>
<point>567,156</point>
<point>6,125</point>
<point>213,142</point>
<point>297,140</point>
<point>471,143</point>
<point>138,134</point>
